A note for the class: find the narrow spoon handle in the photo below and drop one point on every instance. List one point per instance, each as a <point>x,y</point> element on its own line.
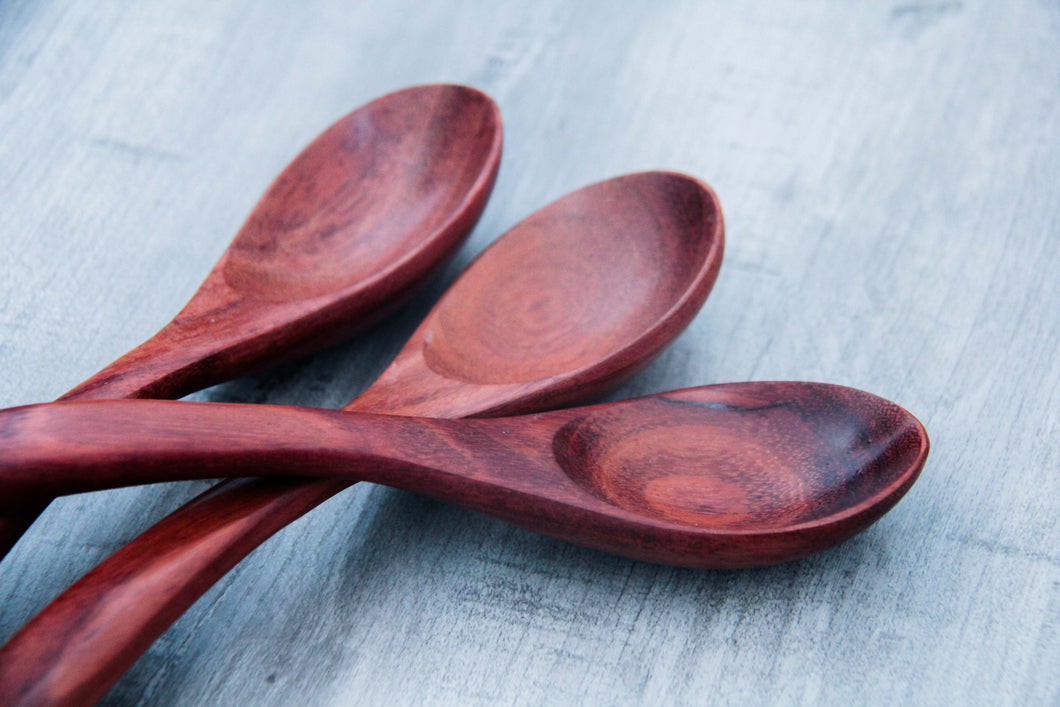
<point>171,364</point>
<point>66,448</point>
<point>178,361</point>
<point>74,650</point>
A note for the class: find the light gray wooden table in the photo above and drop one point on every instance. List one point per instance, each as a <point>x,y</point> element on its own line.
<point>890,173</point>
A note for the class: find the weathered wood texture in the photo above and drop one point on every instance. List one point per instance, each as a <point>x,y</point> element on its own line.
<point>888,173</point>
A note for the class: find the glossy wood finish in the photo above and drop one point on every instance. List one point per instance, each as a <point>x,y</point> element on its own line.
<point>361,217</point>
<point>74,650</point>
<point>724,476</point>
<point>892,202</point>
<point>367,210</point>
<point>577,296</point>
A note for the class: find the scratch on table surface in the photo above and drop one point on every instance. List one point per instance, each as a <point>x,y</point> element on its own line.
<point>136,151</point>
<point>932,9</point>
<point>915,18</point>
<point>517,51</point>
<point>1003,549</point>
<point>762,354</point>
<point>751,266</point>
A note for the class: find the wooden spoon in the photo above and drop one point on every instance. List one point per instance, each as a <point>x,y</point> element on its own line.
<point>367,211</point>
<point>732,475</point>
<point>570,301</point>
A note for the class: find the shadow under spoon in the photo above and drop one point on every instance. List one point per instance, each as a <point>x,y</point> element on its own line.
<point>724,476</point>
<point>570,301</point>
<point>363,215</point>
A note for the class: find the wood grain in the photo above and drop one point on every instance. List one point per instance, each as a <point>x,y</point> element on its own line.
<point>889,178</point>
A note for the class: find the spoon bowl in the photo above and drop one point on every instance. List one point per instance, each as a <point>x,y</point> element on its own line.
<point>751,473</point>
<point>345,234</point>
<point>583,293</point>
<point>720,476</point>
<point>646,257</point>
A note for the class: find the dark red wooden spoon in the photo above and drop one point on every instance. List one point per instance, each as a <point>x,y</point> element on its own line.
<point>367,211</point>
<point>576,297</point>
<point>732,475</point>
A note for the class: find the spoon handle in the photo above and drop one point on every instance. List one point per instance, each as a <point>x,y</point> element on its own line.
<point>175,362</point>
<point>78,646</point>
<point>75,447</point>
<point>75,649</point>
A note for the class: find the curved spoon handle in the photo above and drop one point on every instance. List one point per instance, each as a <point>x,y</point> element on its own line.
<point>74,650</point>
<point>61,448</point>
<point>183,357</point>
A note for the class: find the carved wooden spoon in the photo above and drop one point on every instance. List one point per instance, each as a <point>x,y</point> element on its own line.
<point>720,476</point>
<point>366,212</point>
<point>577,296</point>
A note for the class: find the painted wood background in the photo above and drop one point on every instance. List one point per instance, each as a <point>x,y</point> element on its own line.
<point>890,173</point>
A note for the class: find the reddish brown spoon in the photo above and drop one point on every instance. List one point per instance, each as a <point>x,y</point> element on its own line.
<point>366,212</point>
<point>720,476</point>
<point>567,303</point>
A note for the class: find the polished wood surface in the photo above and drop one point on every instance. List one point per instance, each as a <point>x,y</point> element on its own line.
<point>736,475</point>
<point>663,227</point>
<point>362,216</point>
<point>888,174</point>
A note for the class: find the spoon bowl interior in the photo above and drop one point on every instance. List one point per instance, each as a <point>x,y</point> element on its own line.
<point>647,243</point>
<point>755,458</point>
<point>402,165</point>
